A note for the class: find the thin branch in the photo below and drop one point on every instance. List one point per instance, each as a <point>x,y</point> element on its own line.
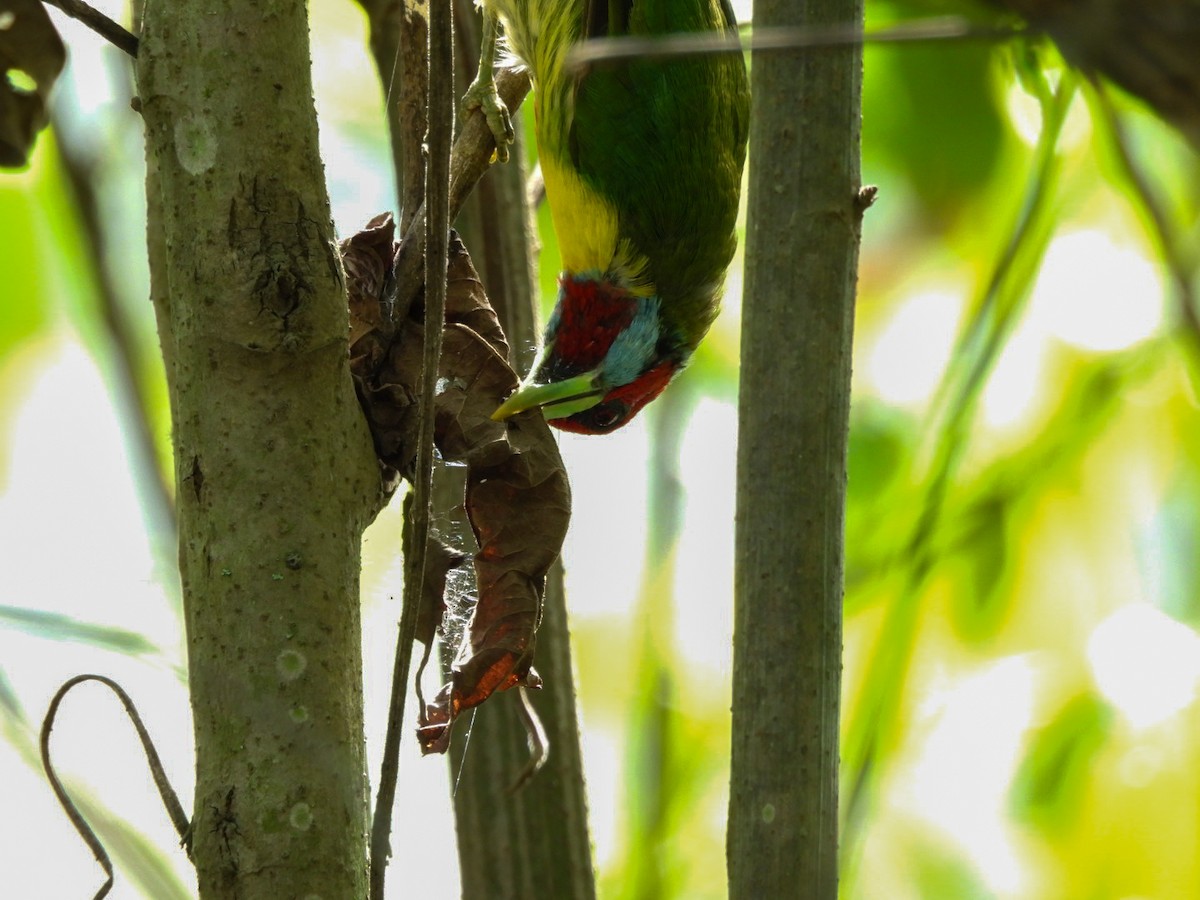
<point>607,51</point>
<point>399,42</point>
<point>535,733</point>
<point>100,23</point>
<point>437,254</point>
<point>170,799</point>
<point>437,251</point>
<point>1165,233</point>
<point>385,797</point>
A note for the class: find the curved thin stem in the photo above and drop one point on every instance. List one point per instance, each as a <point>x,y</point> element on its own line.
<point>170,799</point>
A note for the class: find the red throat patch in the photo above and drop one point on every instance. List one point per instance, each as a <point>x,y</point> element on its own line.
<point>591,315</point>
<point>644,388</point>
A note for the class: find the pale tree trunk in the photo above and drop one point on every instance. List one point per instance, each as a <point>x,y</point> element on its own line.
<point>801,260</point>
<point>275,473</point>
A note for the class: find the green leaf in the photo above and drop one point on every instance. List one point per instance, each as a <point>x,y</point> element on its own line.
<point>8,699</point>
<point>133,854</point>
<point>22,313</point>
<point>59,627</point>
<point>1051,783</point>
<point>978,610</point>
<point>878,450</point>
<point>941,871</point>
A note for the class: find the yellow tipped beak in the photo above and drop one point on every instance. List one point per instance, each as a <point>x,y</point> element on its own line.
<point>558,399</point>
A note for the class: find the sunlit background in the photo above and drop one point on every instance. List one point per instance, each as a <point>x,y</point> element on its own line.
<point>1021,668</point>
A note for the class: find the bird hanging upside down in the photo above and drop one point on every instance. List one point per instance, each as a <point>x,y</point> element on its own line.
<point>643,168</point>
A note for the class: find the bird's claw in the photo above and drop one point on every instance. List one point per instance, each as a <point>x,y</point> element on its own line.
<point>482,95</point>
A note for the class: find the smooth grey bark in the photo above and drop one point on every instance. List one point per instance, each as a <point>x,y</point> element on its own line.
<point>275,473</point>
<point>801,260</point>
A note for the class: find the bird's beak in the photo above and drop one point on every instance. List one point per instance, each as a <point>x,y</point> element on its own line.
<point>558,399</point>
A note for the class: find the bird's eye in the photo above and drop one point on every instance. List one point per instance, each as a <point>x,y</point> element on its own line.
<point>603,417</point>
<point>606,417</point>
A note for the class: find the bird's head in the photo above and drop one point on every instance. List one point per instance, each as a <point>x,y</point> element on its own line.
<point>604,357</point>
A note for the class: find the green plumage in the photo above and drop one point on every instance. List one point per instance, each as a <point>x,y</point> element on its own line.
<point>643,169</point>
<point>662,142</point>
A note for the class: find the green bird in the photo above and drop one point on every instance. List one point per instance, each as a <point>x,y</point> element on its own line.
<point>642,162</point>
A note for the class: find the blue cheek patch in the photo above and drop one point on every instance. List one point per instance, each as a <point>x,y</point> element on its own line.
<point>634,348</point>
<point>553,322</point>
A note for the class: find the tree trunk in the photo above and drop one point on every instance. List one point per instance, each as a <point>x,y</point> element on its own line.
<point>801,260</point>
<point>275,473</point>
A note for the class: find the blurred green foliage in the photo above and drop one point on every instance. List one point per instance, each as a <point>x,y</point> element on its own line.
<point>1000,740</point>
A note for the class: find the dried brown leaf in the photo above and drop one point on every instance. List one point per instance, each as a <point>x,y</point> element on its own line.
<point>517,494</point>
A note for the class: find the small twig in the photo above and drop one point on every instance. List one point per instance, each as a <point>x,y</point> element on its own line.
<point>100,23</point>
<point>385,797</point>
<point>437,256</point>
<point>608,51</point>
<point>865,198</point>
<point>170,799</point>
<point>535,733</point>
<point>1165,233</point>
<point>437,253</point>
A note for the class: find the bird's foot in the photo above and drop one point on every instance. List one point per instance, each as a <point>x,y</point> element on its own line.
<point>482,95</point>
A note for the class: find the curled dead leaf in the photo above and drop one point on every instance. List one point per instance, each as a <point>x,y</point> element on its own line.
<point>517,495</point>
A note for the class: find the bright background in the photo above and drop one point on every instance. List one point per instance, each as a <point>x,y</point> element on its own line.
<point>1022,530</point>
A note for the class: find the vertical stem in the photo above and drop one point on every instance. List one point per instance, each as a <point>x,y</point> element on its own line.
<point>275,472</point>
<point>440,106</point>
<point>534,843</point>
<point>386,19</point>
<point>658,781</point>
<point>412,107</point>
<point>801,260</point>
<point>509,268</point>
